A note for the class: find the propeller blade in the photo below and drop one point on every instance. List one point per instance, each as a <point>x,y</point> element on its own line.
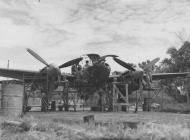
<point>37,56</point>
<point>71,62</point>
<point>151,63</point>
<point>124,64</point>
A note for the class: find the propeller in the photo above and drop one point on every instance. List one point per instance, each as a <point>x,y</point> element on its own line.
<point>128,66</point>
<point>71,62</point>
<point>52,71</point>
<point>148,69</point>
<point>150,64</point>
<point>124,64</point>
<point>139,74</point>
<point>37,57</point>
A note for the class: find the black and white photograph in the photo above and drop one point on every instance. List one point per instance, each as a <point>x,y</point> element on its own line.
<point>94,69</point>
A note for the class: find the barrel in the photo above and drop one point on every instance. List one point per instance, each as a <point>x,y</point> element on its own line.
<point>12,98</point>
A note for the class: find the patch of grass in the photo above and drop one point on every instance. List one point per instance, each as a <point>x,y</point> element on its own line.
<point>177,108</point>
<point>51,130</point>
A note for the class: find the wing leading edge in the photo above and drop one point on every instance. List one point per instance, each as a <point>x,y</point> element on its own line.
<point>18,74</point>
<point>158,76</point>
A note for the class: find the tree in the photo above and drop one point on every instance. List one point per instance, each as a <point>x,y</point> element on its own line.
<point>179,61</point>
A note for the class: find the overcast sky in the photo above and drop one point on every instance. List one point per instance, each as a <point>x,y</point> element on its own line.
<point>60,30</point>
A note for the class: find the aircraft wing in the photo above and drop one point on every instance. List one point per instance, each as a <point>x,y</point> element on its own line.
<point>158,76</point>
<point>18,74</point>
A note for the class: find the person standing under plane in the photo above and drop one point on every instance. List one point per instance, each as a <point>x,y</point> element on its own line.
<point>79,72</point>
<point>86,65</point>
<point>73,69</point>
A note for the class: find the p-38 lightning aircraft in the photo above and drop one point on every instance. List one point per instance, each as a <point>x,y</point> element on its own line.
<point>97,74</point>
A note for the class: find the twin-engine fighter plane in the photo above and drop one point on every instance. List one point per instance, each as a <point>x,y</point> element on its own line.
<point>96,75</point>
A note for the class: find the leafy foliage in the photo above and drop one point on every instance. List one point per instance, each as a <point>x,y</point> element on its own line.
<point>179,61</point>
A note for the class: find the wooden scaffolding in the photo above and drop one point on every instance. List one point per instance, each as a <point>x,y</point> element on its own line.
<point>117,106</point>
<point>69,96</point>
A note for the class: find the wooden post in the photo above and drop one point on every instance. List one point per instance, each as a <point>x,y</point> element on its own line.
<point>66,96</point>
<point>162,100</point>
<point>115,98</point>
<point>47,84</point>
<point>113,94</point>
<point>89,119</point>
<point>136,108</point>
<point>127,97</point>
<point>24,95</point>
<point>149,99</point>
<point>83,105</point>
<point>74,102</point>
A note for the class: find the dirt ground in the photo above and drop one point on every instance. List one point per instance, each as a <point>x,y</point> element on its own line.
<point>157,117</point>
